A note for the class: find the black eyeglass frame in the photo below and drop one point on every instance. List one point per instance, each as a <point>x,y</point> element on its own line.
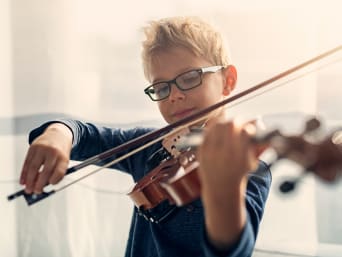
<point>201,71</point>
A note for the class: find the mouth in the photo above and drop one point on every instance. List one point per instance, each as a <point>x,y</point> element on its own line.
<point>183,113</point>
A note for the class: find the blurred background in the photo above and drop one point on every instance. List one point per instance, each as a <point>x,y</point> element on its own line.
<point>81,59</point>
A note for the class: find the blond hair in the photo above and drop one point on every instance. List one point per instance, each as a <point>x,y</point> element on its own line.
<point>191,33</point>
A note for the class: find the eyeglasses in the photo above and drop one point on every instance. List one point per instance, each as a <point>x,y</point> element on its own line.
<point>184,81</point>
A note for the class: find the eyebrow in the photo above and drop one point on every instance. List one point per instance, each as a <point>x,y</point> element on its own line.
<point>185,70</point>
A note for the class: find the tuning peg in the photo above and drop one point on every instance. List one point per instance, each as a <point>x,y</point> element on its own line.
<point>311,125</point>
<point>336,137</point>
<point>289,185</point>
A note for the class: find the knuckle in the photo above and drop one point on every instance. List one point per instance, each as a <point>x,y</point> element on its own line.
<point>45,147</point>
<point>52,151</point>
<point>60,172</point>
<point>34,167</point>
<point>56,177</point>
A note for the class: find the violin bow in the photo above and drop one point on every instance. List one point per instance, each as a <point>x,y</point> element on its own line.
<point>152,137</point>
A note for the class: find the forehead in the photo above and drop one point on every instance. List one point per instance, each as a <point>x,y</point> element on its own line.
<point>167,64</point>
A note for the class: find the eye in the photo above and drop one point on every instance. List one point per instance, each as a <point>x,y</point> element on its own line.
<point>150,91</point>
<point>161,89</point>
<point>189,79</point>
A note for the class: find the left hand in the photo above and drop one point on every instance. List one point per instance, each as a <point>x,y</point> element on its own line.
<point>226,155</point>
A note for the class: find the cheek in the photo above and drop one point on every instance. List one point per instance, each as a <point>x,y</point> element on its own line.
<point>212,94</point>
<point>163,111</point>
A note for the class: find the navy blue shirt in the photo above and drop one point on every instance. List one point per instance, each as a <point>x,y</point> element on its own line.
<point>182,232</point>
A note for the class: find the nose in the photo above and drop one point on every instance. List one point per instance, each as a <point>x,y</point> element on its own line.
<point>176,93</point>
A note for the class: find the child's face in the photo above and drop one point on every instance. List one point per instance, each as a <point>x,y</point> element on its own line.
<point>167,65</point>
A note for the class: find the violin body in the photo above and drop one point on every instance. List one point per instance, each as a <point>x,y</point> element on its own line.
<point>175,180</point>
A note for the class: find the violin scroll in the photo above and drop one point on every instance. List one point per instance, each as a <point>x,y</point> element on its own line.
<point>323,157</point>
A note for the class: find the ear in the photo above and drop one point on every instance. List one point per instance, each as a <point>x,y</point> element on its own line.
<point>230,78</point>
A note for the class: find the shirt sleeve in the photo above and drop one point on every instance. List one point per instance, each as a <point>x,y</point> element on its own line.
<point>257,191</point>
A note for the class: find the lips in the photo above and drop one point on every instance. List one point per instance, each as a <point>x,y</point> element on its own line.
<point>183,113</point>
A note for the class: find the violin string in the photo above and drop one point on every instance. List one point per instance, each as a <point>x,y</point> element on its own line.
<point>283,83</point>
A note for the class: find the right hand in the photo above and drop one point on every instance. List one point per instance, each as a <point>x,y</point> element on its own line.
<point>47,158</point>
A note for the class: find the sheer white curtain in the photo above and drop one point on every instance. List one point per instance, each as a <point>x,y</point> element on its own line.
<point>82,58</point>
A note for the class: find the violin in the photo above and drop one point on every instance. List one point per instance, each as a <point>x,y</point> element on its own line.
<point>176,179</point>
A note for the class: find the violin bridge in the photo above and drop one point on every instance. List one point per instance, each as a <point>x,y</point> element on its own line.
<point>170,143</point>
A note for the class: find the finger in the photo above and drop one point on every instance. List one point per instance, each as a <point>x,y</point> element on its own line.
<point>27,161</point>
<point>59,170</point>
<point>250,150</point>
<point>212,146</point>
<point>44,176</point>
<point>250,131</point>
<point>32,172</point>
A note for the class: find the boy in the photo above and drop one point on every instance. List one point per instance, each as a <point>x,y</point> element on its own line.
<point>186,63</point>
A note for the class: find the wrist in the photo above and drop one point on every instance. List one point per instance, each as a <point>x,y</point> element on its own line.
<point>61,131</point>
<point>225,215</point>
<point>61,128</point>
<point>232,191</point>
